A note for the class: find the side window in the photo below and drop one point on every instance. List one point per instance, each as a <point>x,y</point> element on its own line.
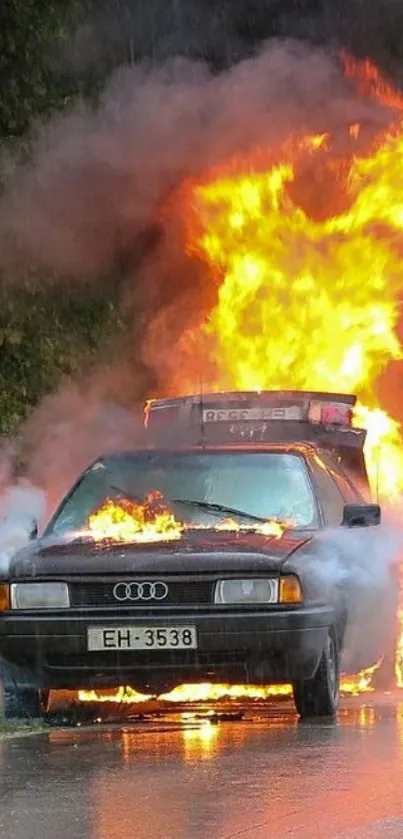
<point>330,497</point>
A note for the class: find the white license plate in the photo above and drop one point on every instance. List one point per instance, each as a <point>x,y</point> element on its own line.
<point>142,638</point>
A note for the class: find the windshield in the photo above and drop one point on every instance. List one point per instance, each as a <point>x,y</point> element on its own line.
<point>263,486</point>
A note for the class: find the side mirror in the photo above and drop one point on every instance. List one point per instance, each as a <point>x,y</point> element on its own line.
<point>33,533</point>
<point>361,515</point>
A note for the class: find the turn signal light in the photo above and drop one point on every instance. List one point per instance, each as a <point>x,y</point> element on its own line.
<point>4,597</point>
<point>290,590</point>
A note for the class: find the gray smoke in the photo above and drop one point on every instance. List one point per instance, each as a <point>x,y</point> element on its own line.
<point>364,564</point>
<point>68,431</point>
<point>97,177</point>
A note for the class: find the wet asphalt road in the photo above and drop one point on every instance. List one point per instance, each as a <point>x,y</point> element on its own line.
<point>268,777</point>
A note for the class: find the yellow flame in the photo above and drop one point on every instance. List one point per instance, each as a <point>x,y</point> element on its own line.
<point>208,692</point>
<point>130,522</point>
<point>360,683</point>
<point>127,521</point>
<point>307,303</point>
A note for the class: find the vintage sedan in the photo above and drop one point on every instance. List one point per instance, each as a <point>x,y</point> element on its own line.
<point>212,553</point>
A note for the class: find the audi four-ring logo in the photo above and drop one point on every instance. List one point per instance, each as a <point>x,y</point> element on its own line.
<point>140,591</point>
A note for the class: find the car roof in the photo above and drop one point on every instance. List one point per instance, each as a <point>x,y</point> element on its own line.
<point>303,449</point>
<point>300,447</point>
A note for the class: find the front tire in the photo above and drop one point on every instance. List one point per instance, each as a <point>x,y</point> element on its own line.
<point>21,703</point>
<point>319,696</point>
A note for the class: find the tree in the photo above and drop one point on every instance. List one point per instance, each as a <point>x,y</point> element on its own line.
<point>48,332</point>
<point>31,35</point>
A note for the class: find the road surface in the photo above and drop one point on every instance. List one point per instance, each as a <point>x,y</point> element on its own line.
<point>268,777</point>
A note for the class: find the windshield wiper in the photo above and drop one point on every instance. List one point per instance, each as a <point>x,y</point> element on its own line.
<point>209,506</point>
<point>216,508</point>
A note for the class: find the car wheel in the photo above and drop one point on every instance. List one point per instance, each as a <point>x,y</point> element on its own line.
<point>319,696</point>
<point>24,703</point>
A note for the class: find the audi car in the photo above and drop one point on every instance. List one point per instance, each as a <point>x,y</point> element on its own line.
<point>225,549</point>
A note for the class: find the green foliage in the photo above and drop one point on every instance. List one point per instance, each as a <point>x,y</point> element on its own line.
<point>47,332</point>
<point>32,34</point>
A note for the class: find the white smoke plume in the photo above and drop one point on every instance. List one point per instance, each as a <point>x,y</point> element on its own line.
<point>63,437</point>
<point>364,563</point>
<point>21,505</point>
<point>69,431</point>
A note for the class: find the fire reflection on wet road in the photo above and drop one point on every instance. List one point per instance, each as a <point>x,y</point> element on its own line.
<point>267,777</point>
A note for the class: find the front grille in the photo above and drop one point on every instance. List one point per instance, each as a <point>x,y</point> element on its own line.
<point>179,593</point>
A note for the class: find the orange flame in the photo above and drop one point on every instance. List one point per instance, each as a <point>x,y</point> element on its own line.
<point>210,692</point>
<point>128,521</point>
<point>360,683</point>
<point>284,276</point>
<point>354,130</point>
<point>369,81</point>
<point>152,521</point>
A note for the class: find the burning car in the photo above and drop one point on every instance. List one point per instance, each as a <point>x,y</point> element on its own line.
<point>202,556</point>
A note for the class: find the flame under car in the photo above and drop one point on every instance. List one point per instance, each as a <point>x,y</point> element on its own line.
<point>203,557</point>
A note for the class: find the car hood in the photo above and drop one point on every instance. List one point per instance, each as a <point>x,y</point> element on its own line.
<point>196,552</point>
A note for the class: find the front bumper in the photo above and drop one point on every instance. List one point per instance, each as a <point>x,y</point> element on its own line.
<point>50,650</point>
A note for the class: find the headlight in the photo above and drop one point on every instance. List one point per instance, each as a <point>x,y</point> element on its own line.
<point>39,596</point>
<point>285,590</point>
<point>246,591</point>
